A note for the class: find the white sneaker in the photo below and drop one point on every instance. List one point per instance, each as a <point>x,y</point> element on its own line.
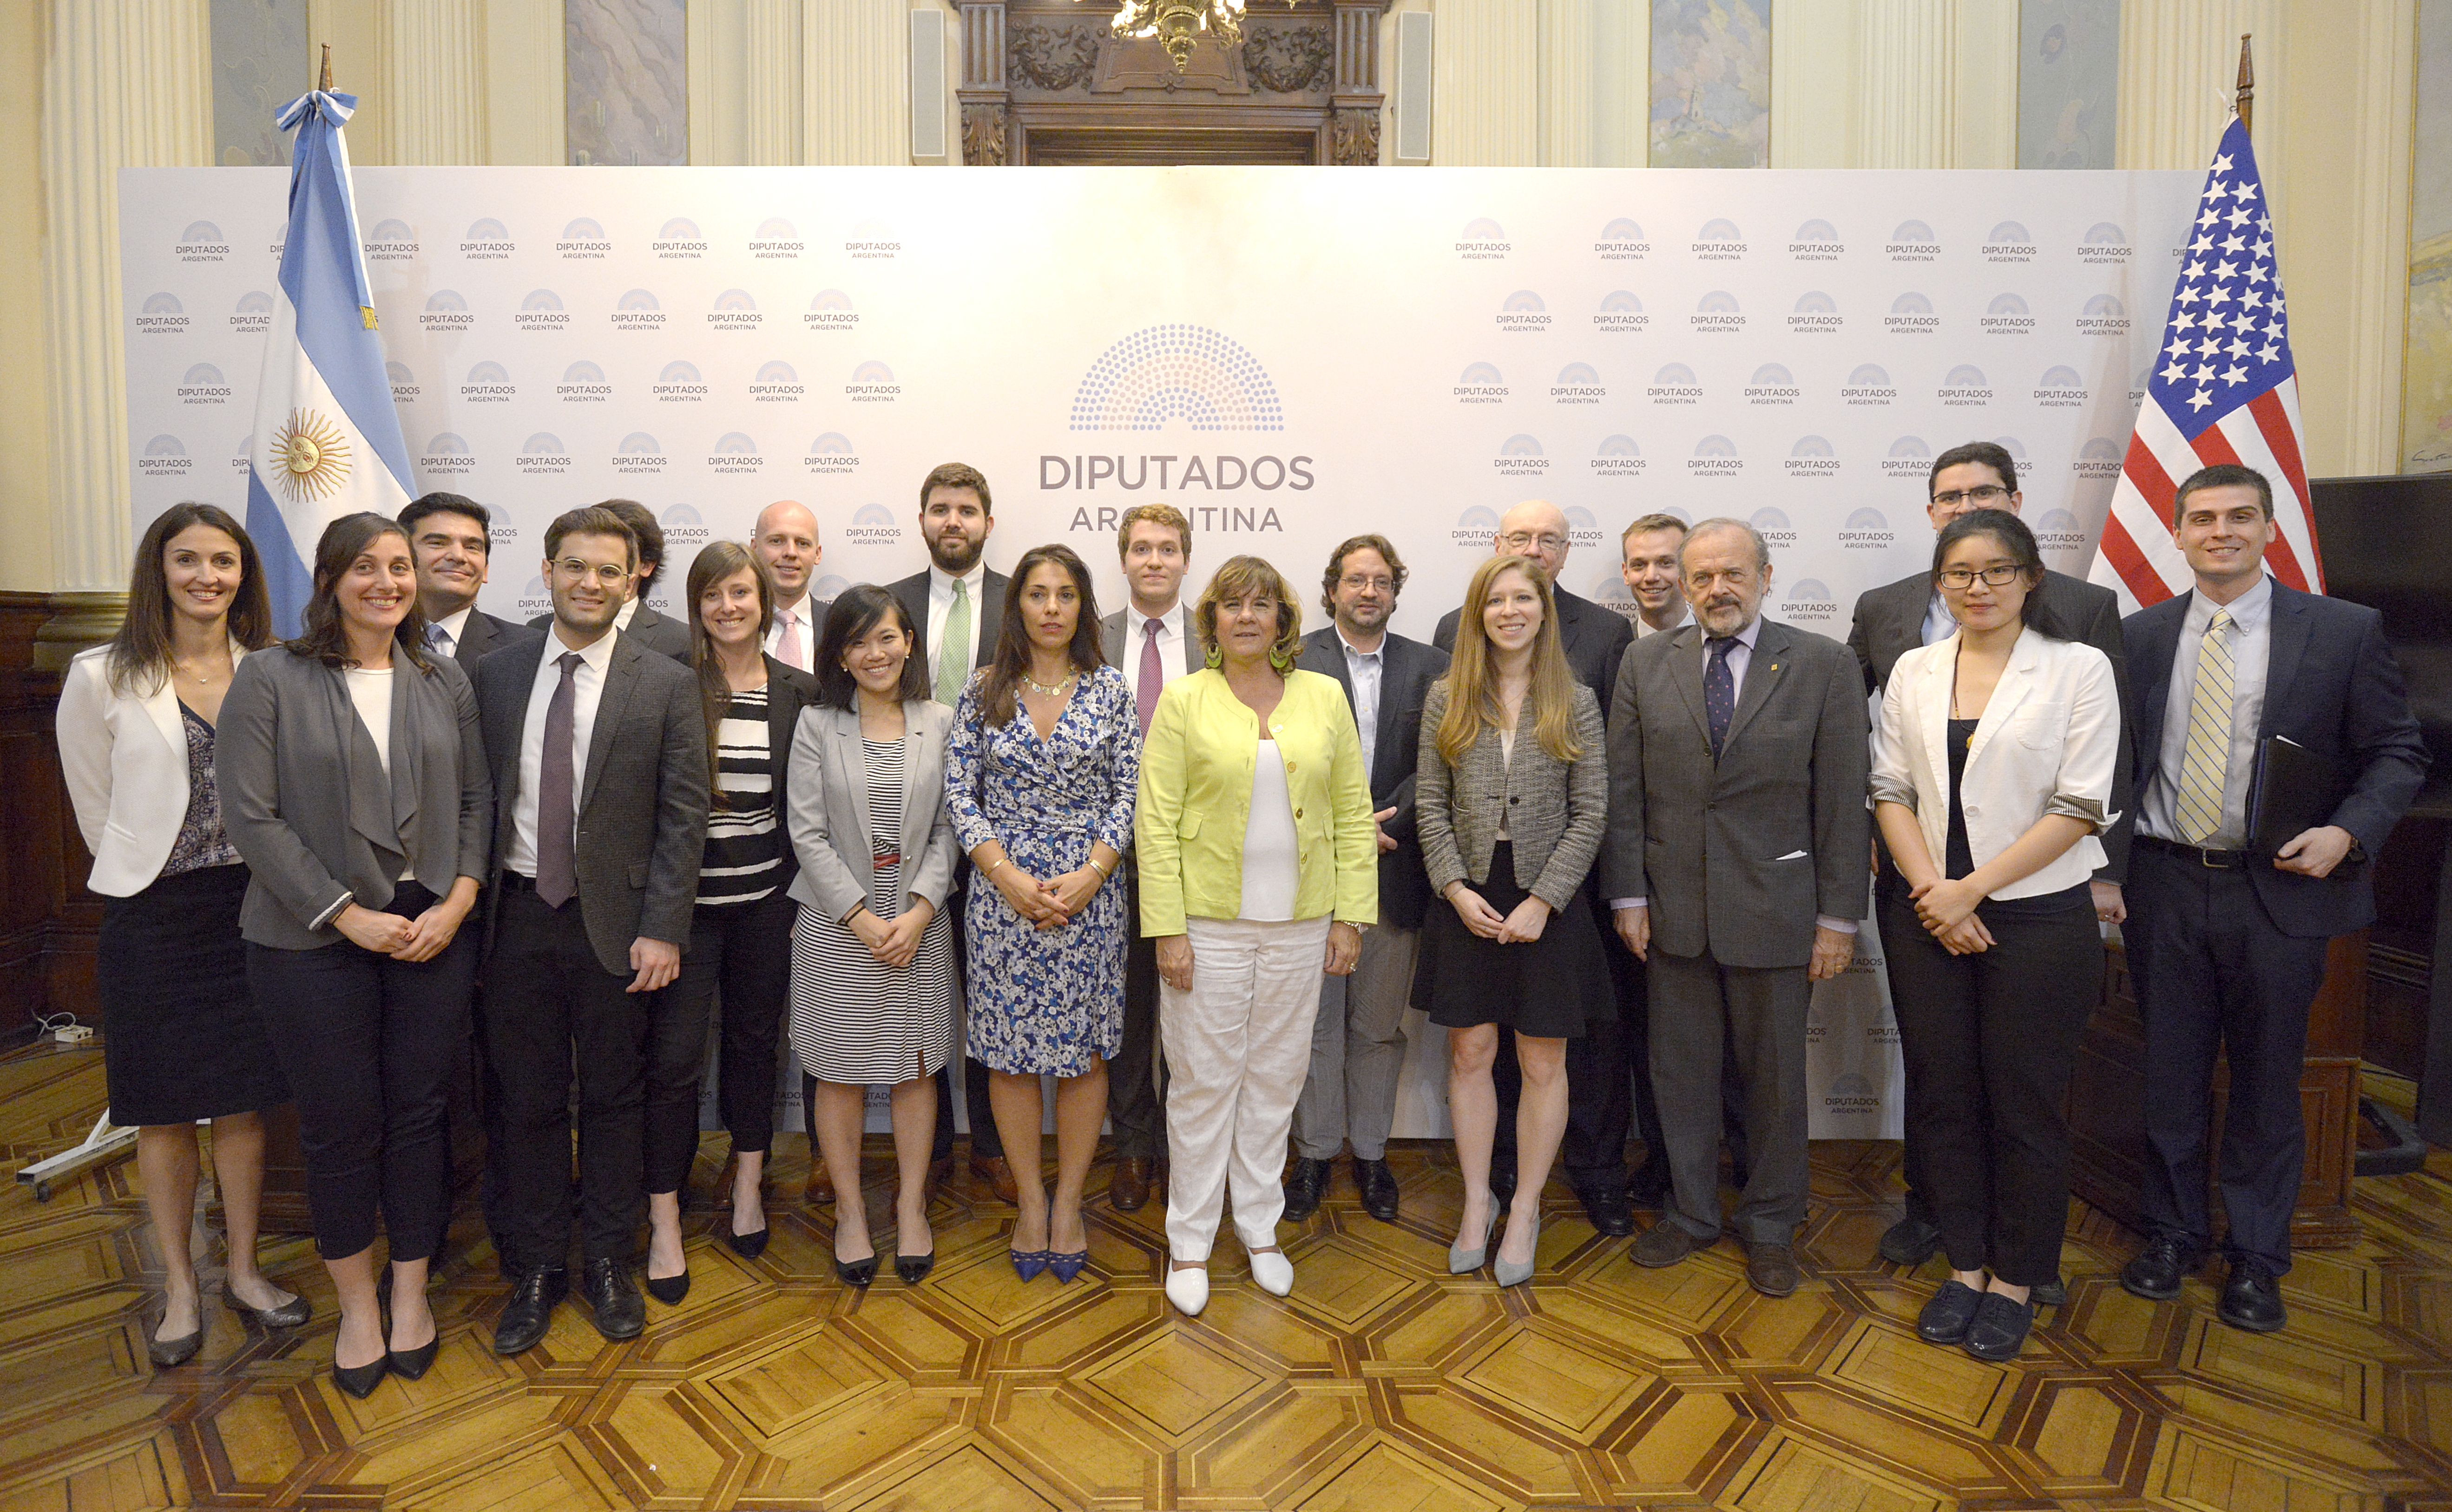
<point>1189,1290</point>
<point>1273,1271</point>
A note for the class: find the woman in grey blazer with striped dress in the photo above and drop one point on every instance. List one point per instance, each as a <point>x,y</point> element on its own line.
<point>872,954</point>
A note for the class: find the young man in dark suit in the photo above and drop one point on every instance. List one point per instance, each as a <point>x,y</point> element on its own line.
<point>1897,617</point>
<point>451,540</point>
<point>958,602</point>
<point>1358,1044</point>
<point>1598,1070</point>
<point>1151,641</point>
<point>1734,868</point>
<point>637,618</point>
<point>2226,938</point>
<point>598,748</point>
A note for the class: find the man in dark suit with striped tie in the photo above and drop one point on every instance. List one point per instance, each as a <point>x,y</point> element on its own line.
<point>451,538</point>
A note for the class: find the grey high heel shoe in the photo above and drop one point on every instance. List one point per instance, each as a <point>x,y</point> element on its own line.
<point>1507,1274</point>
<point>1462,1260</point>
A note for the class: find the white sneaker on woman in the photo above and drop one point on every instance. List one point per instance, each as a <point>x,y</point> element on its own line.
<point>1188,1289</point>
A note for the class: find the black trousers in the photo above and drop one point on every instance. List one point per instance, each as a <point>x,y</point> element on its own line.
<point>985,1141</point>
<point>1890,890</point>
<point>1989,1041</point>
<point>1136,1080</point>
<point>550,1005</point>
<point>2214,977</point>
<point>367,1044</point>
<point>745,949</point>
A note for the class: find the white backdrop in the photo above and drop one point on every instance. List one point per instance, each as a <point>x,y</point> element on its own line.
<point>1288,355</point>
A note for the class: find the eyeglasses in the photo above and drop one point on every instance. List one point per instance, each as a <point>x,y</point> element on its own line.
<point>1979,497</point>
<point>608,574</point>
<point>1356,584</point>
<point>2001,575</point>
<point>1523,542</point>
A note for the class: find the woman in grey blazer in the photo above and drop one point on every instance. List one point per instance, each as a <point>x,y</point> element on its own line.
<point>872,953</point>
<point>353,783</point>
<point>1512,797</point>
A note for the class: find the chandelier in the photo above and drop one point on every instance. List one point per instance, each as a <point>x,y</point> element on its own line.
<point>1176,23</point>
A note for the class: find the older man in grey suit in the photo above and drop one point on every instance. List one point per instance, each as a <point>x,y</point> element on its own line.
<point>1736,868</point>
<point>598,748</point>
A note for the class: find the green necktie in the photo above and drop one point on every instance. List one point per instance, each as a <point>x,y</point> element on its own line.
<point>954,652</point>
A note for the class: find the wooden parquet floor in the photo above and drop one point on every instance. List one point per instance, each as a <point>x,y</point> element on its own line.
<point>1382,1385</point>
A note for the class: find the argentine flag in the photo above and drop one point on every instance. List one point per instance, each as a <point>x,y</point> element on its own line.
<point>327,440</point>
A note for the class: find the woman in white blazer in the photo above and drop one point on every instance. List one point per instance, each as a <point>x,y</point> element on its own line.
<point>872,952</point>
<point>182,1040</point>
<point>1991,775</point>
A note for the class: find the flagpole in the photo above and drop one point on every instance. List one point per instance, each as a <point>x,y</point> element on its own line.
<point>2243,100</point>
<point>325,83</point>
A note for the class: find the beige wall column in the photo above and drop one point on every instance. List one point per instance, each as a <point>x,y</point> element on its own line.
<point>1567,95</point>
<point>1815,83</point>
<point>1906,85</point>
<point>124,85</point>
<point>1985,91</point>
<point>855,78</point>
<point>525,78</point>
<point>2177,61</point>
<point>432,69</point>
<point>1485,83</point>
<point>771,34</point>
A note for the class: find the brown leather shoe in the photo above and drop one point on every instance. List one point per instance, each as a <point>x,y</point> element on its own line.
<point>1128,1189</point>
<point>1664,1245</point>
<point>1771,1269</point>
<point>997,1175</point>
<point>822,1181</point>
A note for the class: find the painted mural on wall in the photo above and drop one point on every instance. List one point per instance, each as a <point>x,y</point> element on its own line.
<point>2426,368</point>
<point>1710,84</point>
<point>260,64</point>
<point>628,82</point>
<point>2068,83</point>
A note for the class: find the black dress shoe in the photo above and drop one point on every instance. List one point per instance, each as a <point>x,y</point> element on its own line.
<point>2052,1293</point>
<point>528,1313</point>
<point>1378,1185</point>
<point>613,1294</point>
<point>360,1381</point>
<point>2252,1300</point>
<point>169,1353</point>
<point>670,1289</point>
<point>1609,1207</point>
<point>1946,1317</point>
<point>2156,1271</point>
<point>1648,1186</point>
<point>860,1272</point>
<point>1305,1185</point>
<point>1998,1331</point>
<point>411,1365</point>
<point>1910,1241</point>
<point>914,1269</point>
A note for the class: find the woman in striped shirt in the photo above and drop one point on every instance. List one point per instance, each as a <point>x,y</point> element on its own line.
<point>741,931</point>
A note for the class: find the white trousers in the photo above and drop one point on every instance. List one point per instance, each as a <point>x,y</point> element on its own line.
<point>1238,1049</point>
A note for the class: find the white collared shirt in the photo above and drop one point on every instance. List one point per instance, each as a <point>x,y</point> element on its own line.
<point>1939,623</point>
<point>941,604</point>
<point>452,625</point>
<point>1174,628</point>
<point>2251,633</point>
<point>1364,669</point>
<point>808,631</point>
<point>628,611</point>
<point>1643,627</point>
<point>587,689</point>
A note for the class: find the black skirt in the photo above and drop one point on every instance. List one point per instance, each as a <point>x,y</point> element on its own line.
<point>181,1038</point>
<point>1548,989</point>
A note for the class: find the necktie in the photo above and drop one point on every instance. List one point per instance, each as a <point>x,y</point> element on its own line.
<point>1719,692</point>
<point>556,879</point>
<point>1153,677</point>
<point>787,645</point>
<point>2206,765</point>
<point>437,638</point>
<point>954,652</point>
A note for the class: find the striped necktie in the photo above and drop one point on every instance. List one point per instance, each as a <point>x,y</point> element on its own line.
<point>2206,765</point>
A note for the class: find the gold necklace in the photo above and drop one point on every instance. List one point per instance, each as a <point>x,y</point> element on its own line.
<point>1044,690</point>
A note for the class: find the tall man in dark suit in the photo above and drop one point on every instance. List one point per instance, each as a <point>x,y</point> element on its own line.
<point>1153,643</point>
<point>958,602</point>
<point>1593,1149</point>
<point>637,618</point>
<point>2226,939</point>
<point>1897,617</point>
<point>451,538</point>
<point>1736,868</point>
<point>598,748</point>
<point>1357,1043</point>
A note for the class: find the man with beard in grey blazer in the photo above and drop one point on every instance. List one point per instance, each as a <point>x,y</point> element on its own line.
<point>1736,868</point>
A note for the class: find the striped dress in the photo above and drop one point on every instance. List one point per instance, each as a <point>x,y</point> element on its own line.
<point>744,860</point>
<point>855,1019</point>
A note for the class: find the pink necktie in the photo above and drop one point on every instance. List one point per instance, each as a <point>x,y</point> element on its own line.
<point>787,648</point>
<point>1152,674</point>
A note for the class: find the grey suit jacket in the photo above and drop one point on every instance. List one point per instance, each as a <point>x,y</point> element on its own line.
<point>1738,855</point>
<point>657,632</point>
<point>1889,623</point>
<point>1112,637</point>
<point>1407,670</point>
<point>641,801</point>
<point>1595,639</point>
<point>913,591</point>
<point>307,802</point>
<point>829,809</point>
<point>479,635</point>
<point>1554,814</point>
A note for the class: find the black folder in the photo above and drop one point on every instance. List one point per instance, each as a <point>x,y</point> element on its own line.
<point>2291,791</point>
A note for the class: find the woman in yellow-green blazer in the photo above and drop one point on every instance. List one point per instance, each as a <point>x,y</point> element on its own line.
<point>1258,871</point>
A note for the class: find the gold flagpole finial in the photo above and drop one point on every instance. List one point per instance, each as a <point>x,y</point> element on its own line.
<point>325,84</point>
<point>2245,98</point>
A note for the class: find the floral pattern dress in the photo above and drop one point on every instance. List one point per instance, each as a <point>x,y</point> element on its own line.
<point>1045,1001</point>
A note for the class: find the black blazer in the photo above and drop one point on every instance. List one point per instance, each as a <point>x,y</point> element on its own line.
<point>480,633</point>
<point>641,800</point>
<point>788,691</point>
<point>913,591</point>
<point>2330,684</point>
<point>1889,623</point>
<point>657,632</point>
<point>1407,670</point>
<point>1594,637</point>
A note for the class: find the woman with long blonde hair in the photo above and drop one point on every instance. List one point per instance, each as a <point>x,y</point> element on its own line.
<point>1513,796</point>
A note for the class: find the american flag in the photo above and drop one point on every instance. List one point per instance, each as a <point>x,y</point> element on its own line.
<point>2223,389</point>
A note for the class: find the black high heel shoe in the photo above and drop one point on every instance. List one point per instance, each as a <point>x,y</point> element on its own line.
<point>360,1381</point>
<point>411,1365</point>
<point>914,1269</point>
<point>171,1353</point>
<point>749,1246</point>
<point>288,1315</point>
<point>669,1289</point>
<point>857,1272</point>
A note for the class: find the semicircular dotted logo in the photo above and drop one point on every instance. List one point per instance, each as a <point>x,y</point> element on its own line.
<point>1191,373</point>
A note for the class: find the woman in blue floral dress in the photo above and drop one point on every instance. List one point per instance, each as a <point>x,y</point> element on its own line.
<point>1040,782</point>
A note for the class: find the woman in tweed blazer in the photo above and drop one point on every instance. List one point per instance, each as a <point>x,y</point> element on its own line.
<point>1514,796</point>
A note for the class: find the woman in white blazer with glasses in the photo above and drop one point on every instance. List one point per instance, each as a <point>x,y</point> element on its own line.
<point>182,1041</point>
<point>1991,778</point>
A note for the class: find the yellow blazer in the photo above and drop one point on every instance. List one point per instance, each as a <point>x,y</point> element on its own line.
<point>1195,802</point>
